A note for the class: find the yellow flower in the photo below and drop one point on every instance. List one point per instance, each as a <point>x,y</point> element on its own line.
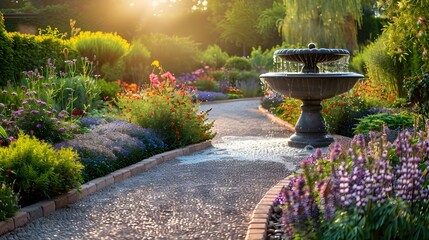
<point>155,63</point>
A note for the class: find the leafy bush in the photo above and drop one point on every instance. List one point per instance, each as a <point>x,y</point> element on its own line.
<point>214,56</point>
<point>262,60</point>
<point>206,83</point>
<point>178,54</point>
<point>169,112</point>
<point>238,63</point>
<point>108,90</point>
<point>137,62</point>
<point>417,89</point>
<point>106,47</point>
<point>250,87</point>
<point>6,53</point>
<point>372,191</point>
<point>112,146</point>
<point>377,121</point>
<point>32,52</point>
<point>381,68</point>
<point>41,171</point>
<point>9,201</point>
<point>8,198</point>
<point>32,116</point>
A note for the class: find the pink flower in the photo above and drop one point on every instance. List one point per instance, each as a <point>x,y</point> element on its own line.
<point>169,76</point>
<point>154,80</point>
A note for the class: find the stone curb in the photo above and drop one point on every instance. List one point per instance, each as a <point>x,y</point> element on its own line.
<point>43,208</point>
<point>275,119</point>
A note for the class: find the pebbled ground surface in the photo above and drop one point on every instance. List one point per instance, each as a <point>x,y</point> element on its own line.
<point>207,195</point>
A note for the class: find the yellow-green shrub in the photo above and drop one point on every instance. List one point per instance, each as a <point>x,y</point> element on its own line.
<point>41,171</point>
<point>106,47</point>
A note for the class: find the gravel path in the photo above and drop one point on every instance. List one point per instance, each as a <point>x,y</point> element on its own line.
<point>207,195</point>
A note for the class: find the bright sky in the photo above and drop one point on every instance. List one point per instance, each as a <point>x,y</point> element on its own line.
<point>157,4</point>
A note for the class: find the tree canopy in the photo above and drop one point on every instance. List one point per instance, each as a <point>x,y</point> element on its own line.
<point>329,23</point>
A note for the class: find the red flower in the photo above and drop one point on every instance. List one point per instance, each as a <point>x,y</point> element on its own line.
<point>77,112</point>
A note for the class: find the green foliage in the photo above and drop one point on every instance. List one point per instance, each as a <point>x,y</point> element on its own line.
<point>137,62</point>
<point>115,71</point>
<point>178,54</point>
<point>108,90</point>
<point>395,219</point>
<point>214,56</point>
<point>206,84</point>
<point>417,88</point>
<point>250,87</point>
<point>22,110</point>
<point>6,53</point>
<point>262,60</point>
<point>32,52</point>
<point>41,171</point>
<point>171,113</point>
<point>8,199</point>
<point>104,47</point>
<point>238,63</point>
<point>380,67</point>
<point>375,122</point>
<point>329,23</point>
<point>406,35</point>
<point>289,110</point>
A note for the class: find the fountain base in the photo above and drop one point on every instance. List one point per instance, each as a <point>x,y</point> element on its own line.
<point>301,140</point>
<point>310,128</point>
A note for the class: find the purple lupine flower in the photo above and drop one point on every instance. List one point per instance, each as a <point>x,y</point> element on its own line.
<point>35,111</point>
<point>38,125</point>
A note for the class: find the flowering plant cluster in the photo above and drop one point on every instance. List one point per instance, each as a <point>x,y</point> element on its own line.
<point>32,116</point>
<point>167,108</point>
<point>374,190</point>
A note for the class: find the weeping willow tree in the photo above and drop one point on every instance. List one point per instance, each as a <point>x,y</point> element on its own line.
<point>329,23</point>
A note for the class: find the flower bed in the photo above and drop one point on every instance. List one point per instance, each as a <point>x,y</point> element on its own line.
<point>371,190</point>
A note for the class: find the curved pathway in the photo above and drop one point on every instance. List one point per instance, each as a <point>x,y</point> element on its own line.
<point>207,195</point>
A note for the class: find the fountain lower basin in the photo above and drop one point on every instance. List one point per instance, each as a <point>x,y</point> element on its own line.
<point>311,86</point>
<point>311,89</point>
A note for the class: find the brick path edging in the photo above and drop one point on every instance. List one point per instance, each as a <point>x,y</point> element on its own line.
<point>257,229</point>
<point>43,208</point>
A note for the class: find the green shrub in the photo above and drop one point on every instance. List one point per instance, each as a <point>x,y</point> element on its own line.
<point>178,54</point>
<point>262,60</point>
<point>170,112</point>
<point>417,89</point>
<point>8,199</point>
<point>381,68</point>
<point>112,72</point>
<point>206,83</point>
<point>250,87</point>
<point>214,57</point>
<point>108,90</point>
<point>22,110</point>
<point>32,52</point>
<point>238,63</point>
<point>377,121</point>
<point>137,62</point>
<point>105,47</point>
<point>41,171</point>
<point>6,53</point>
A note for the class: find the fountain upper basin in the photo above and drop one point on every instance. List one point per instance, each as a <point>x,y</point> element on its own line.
<point>311,86</point>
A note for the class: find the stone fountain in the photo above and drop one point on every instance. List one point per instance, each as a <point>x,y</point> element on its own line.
<point>311,86</point>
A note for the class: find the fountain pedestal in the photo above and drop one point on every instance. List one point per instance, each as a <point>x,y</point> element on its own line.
<point>310,128</point>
